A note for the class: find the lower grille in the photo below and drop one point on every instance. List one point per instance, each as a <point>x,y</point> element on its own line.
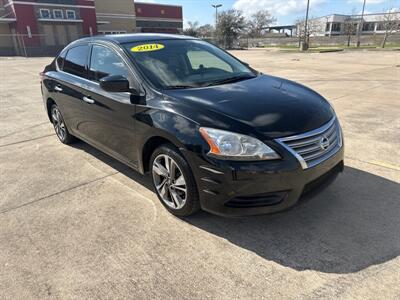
<point>257,200</point>
<point>314,147</point>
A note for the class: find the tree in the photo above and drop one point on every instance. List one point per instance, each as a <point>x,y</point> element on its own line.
<point>206,30</point>
<point>192,30</point>
<point>258,22</point>
<point>231,23</point>
<point>314,26</point>
<point>349,29</point>
<point>390,24</point>
<point>350,26</point>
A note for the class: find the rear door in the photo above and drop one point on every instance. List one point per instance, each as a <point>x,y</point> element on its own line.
<point>70,85</point>
<point>109,116</point>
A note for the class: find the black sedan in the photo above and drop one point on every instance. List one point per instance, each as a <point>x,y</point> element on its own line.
<point>214,133</point>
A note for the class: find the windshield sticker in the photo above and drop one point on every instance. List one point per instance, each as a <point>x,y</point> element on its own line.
<point>147,48</point>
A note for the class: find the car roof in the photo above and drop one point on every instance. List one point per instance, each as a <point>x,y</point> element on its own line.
<point>135,37</point>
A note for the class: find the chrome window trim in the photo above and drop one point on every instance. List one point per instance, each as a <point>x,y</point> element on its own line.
<point>90,43</point>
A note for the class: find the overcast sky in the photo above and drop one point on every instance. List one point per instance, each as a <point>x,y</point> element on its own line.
<point>286,11</point>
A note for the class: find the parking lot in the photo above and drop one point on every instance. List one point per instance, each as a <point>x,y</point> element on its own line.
<point>75,223</point>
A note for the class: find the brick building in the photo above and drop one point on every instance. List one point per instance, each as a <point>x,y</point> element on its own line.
<point>44,27</point>
<point>151,17</point>
<point>115,16</point>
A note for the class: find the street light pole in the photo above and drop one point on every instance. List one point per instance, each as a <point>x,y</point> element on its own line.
<point>216,14</point>
<point>360,25</point>
<point>305,42</point>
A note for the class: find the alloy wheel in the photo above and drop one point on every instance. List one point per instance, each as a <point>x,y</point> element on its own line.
<point>58,122</point>
<point>169,181</point>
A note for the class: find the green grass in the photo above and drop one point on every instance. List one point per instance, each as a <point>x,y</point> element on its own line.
<point>283,46</point>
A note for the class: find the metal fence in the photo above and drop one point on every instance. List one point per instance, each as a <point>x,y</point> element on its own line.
<point>51,44</point>
<point>244,42</point>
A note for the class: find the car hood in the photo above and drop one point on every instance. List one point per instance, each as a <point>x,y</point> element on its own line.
<point>271,106</point>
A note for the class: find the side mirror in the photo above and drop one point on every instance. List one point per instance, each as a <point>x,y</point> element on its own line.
<point>115,84</point>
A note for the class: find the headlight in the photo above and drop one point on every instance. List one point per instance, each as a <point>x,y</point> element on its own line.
<point>234,146</point>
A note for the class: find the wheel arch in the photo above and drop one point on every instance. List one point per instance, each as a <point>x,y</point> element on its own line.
<point>151,144</point>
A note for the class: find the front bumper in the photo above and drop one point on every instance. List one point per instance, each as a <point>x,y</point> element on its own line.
<point>239,188</point>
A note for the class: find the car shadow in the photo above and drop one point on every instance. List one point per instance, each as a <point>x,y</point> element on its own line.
<point>144,180</point>
<point>350,225</point>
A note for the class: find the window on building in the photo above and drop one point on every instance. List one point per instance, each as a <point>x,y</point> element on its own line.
<point>71,14</point>
<point>105,62</point>
<point>58,14</point>
<point>162,11</point>
<point>75,61</point>
<point>328,26</point>
<point>139,10</point>
<point>336,27</point>
<point>381,26</point>
<point>45,13</point>
<point>112,32</point>
<point>368,26</point>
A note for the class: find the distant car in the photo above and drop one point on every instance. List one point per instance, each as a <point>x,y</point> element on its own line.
<point>214,133</point>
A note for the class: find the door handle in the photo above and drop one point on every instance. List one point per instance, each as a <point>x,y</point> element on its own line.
<point>58,88</point>
<point>88,100</point>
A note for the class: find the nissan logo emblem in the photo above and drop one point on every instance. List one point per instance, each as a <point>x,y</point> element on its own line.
<point>324,143</point>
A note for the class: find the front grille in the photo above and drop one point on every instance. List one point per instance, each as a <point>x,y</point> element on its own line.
<point>314,147</point>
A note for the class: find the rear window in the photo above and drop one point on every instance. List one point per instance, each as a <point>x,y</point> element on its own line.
<point>75,61</point>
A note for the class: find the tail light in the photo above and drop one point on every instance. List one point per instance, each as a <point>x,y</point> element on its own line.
<point>41,75</point>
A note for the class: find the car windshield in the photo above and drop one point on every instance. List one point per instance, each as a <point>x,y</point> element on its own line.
<point>180,64</point>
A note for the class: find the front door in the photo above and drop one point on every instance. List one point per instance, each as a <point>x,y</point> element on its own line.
<point>109,116</point>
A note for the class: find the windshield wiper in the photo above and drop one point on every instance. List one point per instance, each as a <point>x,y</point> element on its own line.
<point>176,87</point>
<point>231,79</point>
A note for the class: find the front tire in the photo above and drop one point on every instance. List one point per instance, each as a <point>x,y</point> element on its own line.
<point>59,126</point>
<point>173,181</point>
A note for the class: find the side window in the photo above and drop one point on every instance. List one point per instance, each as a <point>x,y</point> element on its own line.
<point>199,59</point>
<point>75,61</point>
<point>105,62</point>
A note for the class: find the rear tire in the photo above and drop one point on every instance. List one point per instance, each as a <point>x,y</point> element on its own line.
<point>174,182</point>
<point>59,125</point>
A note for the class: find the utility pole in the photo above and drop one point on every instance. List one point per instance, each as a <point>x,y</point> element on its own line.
<point>216,14</point>
<point>304,45</point>
<point>360,25</point>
